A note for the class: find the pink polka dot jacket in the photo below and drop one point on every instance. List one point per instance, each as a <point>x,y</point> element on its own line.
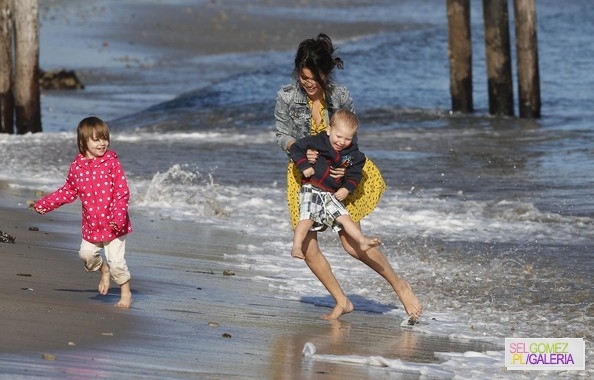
<point>101,185</point>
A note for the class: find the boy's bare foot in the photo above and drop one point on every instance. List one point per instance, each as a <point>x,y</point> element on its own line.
<point>103,287</point>
<point>125,301</point>
<point>339,310</point>
<point>411,303</point>
<point>297,253</point>
<point>369,243</point>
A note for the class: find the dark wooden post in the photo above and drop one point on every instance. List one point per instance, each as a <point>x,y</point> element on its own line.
<point>497,46</point>
<point>527,58</point>
<point>26,80</point>
<point>6,97</point>
<point>460,55</point>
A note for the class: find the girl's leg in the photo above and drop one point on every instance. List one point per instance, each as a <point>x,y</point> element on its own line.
<point>90,256</point>
<point>376,260</point>
<point>114,252</point>
<point>317,263</point>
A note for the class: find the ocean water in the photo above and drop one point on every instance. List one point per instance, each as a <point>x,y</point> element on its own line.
<point>490,219</point>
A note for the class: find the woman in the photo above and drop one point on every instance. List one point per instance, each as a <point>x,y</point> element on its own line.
<point>303,108</point>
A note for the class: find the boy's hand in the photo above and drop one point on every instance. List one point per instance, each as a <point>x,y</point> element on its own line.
<point>341,194</point>
<point>308,172</point>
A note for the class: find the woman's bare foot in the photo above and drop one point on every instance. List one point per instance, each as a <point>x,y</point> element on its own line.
<point>297,253</point>
<point>104,282</point>
<point>339,310</point>
<point>369,243</point>
<point>411,303</point>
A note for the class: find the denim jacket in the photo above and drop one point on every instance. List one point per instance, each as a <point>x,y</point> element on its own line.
<point>293,115</point>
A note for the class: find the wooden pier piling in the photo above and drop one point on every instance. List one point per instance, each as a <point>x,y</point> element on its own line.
<point>460,55</point>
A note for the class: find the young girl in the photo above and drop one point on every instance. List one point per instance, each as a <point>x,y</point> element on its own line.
<point>97,177</point>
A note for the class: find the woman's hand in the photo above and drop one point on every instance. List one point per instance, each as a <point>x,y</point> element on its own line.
<point>312,156</point>
<point>337,172</point>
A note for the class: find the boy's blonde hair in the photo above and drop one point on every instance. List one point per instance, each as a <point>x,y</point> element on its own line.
<point>91,128</point>
<point>348,119</point>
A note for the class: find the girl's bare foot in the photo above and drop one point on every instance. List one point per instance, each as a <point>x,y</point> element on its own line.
<point>103,287</point>
<point>297,253</point>
<point>125,301</point>
<point>125,296</point>
<point>339,310</point>
<point>369,243</point>
<point>409,300</point>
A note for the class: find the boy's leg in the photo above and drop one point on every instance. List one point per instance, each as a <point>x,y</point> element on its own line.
<point>301,230</point>
<point>114,252</point>
<point>355,232</point>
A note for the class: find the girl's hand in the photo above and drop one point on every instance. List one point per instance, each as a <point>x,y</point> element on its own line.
<point>39,210</point>
<point>114,226</point>
<point>337,172</point>
<point>312,156</point>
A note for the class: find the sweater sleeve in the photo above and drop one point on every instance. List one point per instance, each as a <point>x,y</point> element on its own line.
<point>298,153</point>
<point>354,173</point>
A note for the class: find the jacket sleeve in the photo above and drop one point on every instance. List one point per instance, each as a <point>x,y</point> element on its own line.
<point>298,153</point>
<point>340,98</point>
<point>354,173</point>
<point>65,194</point>
<point>283,122</point>
<point>121,196</point>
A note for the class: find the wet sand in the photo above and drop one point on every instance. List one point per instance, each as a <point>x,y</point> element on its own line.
<point>196,314</point>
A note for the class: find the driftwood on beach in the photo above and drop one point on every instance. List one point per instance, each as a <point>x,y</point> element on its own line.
<point>60,80</point>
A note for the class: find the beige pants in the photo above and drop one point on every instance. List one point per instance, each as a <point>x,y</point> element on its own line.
<point>114,253</point>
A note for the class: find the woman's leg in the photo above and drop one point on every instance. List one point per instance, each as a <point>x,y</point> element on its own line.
<point>317,263</point>
<point>376,260</point>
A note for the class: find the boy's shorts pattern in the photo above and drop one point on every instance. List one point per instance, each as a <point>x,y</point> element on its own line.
<point>320,206</point>
<point>359,204</point>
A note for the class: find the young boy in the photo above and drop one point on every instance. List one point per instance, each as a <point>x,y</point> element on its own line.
<point>321,195</point>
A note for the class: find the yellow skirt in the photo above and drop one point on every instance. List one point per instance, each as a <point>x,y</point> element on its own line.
<point>359,204</point>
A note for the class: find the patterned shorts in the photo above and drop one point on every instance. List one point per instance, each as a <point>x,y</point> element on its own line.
<point>320,206</point>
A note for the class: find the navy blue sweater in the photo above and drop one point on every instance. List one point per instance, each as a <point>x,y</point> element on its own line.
<point>329,158</point>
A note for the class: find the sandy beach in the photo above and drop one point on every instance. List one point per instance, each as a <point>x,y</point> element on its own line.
<point>198,318</point>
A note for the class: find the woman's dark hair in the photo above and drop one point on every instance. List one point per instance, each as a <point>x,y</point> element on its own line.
<point>317,55</point>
